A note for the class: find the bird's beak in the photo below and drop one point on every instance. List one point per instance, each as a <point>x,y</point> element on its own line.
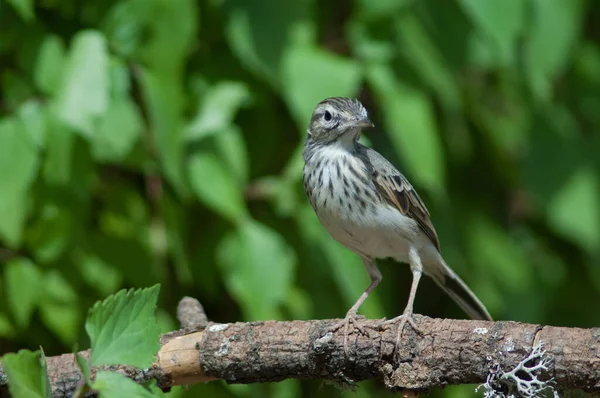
<point>363,123</point>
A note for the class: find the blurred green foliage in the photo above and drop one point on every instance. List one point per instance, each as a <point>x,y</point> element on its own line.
<point>146,141</point>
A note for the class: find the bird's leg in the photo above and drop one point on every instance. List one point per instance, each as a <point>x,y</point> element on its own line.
<point>352,314</point>
<point>407,316</point>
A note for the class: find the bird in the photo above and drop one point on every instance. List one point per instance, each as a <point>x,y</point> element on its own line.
<point>368,206</point>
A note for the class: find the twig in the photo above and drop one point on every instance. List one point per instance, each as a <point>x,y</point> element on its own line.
<point>449,352</point>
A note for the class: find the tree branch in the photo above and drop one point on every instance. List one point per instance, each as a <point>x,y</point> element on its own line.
<point>448,352</point>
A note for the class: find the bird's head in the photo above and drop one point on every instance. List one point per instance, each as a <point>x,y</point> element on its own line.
<point>338,117</point>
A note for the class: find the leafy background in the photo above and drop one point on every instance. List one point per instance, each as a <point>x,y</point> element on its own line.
<point>146,141</point>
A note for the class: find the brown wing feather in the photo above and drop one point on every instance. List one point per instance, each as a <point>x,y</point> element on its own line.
<point>398,192</point>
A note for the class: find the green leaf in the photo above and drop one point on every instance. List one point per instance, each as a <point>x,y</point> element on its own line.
<point>587,62</point>
<point>83,96</point>
<point>16,87</point>
<point>232,148</point>
<point>502,21</point>
<point>282,191</point>
<point>259,46</point>
<point>372,10</point>
<point>44,363</point>
<point>27,375</point>
<point>6,328</point>
<point>125,26</point>
<point>49,234</point>
<point>84,366</point>
<point>113,384</point>
<point>32,116</point>
<point>118,130</point>
<point>120,78</point>
<point>552,34</point>
<point>49,64</point>
<point>163,98</point>
<point>24,8</point>
<point>410,122</point>
<point>19,164</point>
<point>215,186</point>
<point>13,213</point>
<point>449,28</point>
<point>99,275</point>
<point>59,307</point>
<point>169,34</point>
<point>214,120</point>
<point>217,109</point>
<point>178,243</point>
<point>368,46</point>
<point>252,258</point>
<point>60,143</point>
<point>574,210</point>
<point>302,66</point>
<point>24,284</point>
<point>481,54</point>
<point>123,328</point>
<point>420,51</point>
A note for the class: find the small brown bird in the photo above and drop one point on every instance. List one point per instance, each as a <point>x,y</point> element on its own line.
<point>368,206</point>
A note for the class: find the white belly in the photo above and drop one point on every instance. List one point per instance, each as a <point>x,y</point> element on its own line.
<point>380,232</point>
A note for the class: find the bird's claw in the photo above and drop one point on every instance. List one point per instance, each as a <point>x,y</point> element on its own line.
<point>405,318</point>
<point>351,318</point>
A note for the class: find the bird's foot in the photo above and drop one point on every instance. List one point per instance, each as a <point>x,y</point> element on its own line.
<point>352,318</point>
<point>405,318</point>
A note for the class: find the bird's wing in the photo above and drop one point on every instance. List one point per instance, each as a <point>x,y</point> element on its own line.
<point>397,191</point>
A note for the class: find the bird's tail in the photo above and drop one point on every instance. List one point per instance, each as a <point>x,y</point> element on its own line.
<point>459,291</point>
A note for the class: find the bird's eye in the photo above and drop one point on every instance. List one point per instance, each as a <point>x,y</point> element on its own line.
<point>327,116</point>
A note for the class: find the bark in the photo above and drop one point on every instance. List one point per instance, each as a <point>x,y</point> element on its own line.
<point>448,352</point>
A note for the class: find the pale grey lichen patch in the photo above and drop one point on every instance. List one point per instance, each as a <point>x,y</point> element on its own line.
<point>219,327</point>
<point>223,349</point>
<point>523,380</point>
<point>509,345</point>
<point>323,341</point>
